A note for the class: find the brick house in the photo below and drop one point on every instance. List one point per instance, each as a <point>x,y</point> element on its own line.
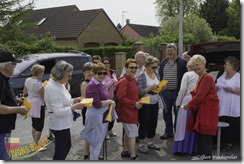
<point>135,31</point>
<point>72,27</point>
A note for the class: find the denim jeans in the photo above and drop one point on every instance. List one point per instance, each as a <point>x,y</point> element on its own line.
<point>169,98</point>
<point>3,152</point>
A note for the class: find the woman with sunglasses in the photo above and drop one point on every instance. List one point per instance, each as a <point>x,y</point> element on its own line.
<point>127,95</point>
<point>109,83</point>
<point>95,125</point>
<point>148,115</point>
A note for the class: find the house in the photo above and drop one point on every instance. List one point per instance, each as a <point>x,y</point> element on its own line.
<point>135,31</point>
<point>72,27</point>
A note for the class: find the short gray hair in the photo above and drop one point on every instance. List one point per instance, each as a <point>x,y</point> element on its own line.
<point>172,45</point>
<point>138,54</point>
<point>87,66</point>
<point>198,57</point>
<point>60,69</point>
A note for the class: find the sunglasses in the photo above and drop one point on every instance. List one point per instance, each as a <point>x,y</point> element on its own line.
<point>154,67</point>
<point>102,73</point>
<point>133,67</point>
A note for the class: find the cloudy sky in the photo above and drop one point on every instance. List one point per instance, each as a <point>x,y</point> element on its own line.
<point>138,11</point>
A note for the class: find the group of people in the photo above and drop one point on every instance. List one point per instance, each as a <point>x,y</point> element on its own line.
<point>190,94</point>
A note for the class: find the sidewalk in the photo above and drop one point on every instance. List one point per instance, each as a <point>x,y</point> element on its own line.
<point>23,130</point>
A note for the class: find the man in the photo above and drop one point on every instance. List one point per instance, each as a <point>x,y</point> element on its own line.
<point>140,57</point>
<point>8,102</point>
<point>172,69</point>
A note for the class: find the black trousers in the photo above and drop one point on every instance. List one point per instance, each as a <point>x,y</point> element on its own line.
<point>148,120</point>
<point>62,143</point>
<point>204,146</point>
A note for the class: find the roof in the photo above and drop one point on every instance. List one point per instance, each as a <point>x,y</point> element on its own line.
<point>62,22</point>
<point>144,30</point>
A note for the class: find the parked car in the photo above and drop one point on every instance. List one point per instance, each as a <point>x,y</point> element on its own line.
<point>215,53</point>
<point>23,69</point>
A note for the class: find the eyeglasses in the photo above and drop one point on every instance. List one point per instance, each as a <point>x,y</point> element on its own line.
<point>155,67</point>
<point>102,73</point>
<point>133,67</point>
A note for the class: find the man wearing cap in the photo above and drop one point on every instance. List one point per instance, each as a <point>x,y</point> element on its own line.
<point>8,102</point>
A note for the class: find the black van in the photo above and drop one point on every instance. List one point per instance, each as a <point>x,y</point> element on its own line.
<point>215,53</point>
<point>23,69</point>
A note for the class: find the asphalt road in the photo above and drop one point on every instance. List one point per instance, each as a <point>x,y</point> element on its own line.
<point>114,148</point>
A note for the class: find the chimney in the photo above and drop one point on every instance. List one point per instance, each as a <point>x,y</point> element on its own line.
<point>127,21</point>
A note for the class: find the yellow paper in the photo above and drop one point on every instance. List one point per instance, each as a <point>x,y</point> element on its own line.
<point>87,101</point>
<point>145,100</point>
<point>28,106</point>
<point>45,83</point>
<point>162,84</point>
<point>109,115</point>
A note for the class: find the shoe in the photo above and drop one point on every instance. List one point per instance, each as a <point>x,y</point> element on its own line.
<point>86,156</point>
<point>134,158</point>
<point>50,138</point>
<point>153,146</point>
<point>125,154</point>
<point>101,157</point>
<point>107,137</point>
<point>143,149</point>
<point>112,134</point>
<point>166,136</point>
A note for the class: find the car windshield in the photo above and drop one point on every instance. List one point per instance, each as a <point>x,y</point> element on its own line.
<point>20,67</point>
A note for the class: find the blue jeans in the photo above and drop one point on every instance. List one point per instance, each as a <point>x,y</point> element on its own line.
<point>169,98</point>
<point>3,152</point>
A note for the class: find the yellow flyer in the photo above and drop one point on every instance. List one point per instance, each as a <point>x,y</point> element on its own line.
<point>87,101</point>
<point>109,115</point>
<point>161,84</point>
<point>145,100</point>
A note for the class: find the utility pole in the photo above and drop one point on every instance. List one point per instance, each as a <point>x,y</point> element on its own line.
<point>181,18</point>
<point>123,14</point>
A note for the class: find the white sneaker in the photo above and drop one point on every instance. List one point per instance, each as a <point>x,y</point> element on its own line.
<point>107,137</point>
<point>112,134</point>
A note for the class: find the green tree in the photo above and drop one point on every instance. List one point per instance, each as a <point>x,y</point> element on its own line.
<point>170,8</point>
<point>234,19</point>
<point>195,30</point>
<point>214,12</point>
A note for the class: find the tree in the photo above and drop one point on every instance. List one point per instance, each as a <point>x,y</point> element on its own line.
<point>214,12</point>
<point>195,30</point>
<point>170,8</point>
<point>234,19</point>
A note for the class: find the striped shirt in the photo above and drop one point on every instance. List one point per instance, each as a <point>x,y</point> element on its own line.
<point>170,74</point>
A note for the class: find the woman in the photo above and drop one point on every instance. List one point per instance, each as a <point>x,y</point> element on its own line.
<point>95,125</point>
<point>184,141</point>
<point>127,95</point>
<point>35,90</point>
<point>61,106</point>
<point>109,83</point>
<point>204,107</point>
<point>228,86</point>
<point>88,73</point>
<point>148,114</point>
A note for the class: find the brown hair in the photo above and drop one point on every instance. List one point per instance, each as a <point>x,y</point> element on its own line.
<point>234,62</point>
<point>99,67</point>
<point>128,61</point>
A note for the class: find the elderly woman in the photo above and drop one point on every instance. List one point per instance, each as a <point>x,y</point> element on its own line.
<point>228,86</point>
<point>61,106</point>
<point>184,141</point>
<point>35,90</point>
<point>127,94</point>
<point>148,115</point>
<point>95,125</point>
<point>204,107</point>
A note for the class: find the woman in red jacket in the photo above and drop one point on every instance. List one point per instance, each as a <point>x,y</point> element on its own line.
<point>205,109</point>
<point>127,95</point>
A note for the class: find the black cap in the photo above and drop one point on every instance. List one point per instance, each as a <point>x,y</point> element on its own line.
<point>8,57</point>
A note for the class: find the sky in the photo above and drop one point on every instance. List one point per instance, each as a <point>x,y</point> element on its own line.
<point>138,11</point>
